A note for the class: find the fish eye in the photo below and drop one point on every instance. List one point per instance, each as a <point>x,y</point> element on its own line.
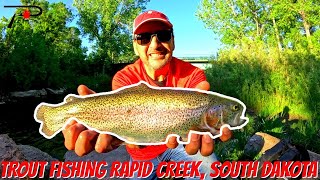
<point>235,107</point>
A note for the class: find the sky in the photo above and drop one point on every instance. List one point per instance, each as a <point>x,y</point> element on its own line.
<point>192,39</point>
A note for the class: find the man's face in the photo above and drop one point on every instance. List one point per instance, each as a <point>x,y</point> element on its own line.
<point>154,54</point>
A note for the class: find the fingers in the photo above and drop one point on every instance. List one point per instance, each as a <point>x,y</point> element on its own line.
<point>194,145</point>
<point>133,146</point>
<point>207,145</point>
<point>172,142</point>
<point>103,143</point>
<point>85,142</point>
<point>226,134</point>
<point>71,133</point>
<point>84,90</point>
<point>106,143</point>
<point>76,136</point>
<point>204,143</point>
<point>115,143</point>
<point>72,122</point>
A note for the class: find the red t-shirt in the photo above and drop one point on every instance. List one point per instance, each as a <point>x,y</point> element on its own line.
<point>181,74</point>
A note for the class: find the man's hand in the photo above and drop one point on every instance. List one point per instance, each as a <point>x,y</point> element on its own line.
<point>204,143</point>
<point>82,140</point>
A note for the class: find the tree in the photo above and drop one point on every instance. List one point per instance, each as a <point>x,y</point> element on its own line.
<point>277,23</point>
<point>108,24</point>
<point>43,51</point>
<point>233,20</point>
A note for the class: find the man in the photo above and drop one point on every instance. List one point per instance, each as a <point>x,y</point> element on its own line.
<point>154,44</point>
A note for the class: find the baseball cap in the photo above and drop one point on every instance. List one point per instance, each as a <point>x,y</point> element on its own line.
<point>150,15</point>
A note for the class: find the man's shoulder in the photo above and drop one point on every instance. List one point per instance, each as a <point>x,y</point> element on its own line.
<point>184,66</point>
<point>133,67</point>
<point>186,74</point>
<point>130,74</point>
<point>181,62</point>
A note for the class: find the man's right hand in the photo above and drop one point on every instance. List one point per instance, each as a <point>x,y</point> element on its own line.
<point>83,141</point>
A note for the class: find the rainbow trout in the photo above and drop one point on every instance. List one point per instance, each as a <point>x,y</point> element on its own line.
<point>144,115</point>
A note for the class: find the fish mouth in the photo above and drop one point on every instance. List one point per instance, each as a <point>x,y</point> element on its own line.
<point>237,121</point>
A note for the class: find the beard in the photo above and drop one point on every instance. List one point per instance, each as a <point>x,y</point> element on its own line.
<point>157,64</point>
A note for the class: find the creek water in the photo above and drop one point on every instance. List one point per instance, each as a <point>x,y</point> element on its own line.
<point>16,120</point>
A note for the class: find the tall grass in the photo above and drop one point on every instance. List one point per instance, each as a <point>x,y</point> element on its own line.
<point>282,88</point>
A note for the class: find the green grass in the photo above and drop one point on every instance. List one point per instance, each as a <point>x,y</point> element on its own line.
<point>300,132</point>
<point>282,94</point>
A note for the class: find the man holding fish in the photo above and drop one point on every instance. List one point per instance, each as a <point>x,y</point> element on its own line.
<point>154,44</point>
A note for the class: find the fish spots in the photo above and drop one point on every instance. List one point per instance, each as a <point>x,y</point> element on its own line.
<point>145,115</point>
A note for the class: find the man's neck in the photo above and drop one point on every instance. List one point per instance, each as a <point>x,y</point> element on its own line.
<point>159,74</point>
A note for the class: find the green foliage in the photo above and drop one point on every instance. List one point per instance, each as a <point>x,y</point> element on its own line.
<point>271,62</point>
<point>282,24</point>
<point>281,93</point>
<point>108,24</point>
<point>304,133</point>
<point>98,83</point>
<point>46,52</point>
<point>266,83</point>
<point>32,59</point>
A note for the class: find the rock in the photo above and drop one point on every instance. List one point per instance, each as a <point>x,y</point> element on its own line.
<point>34,154</point>
<point>56,92</point>
<point>314,157</point>
<point>253,146</point>
<point>269,141</point>
<point>263,143</point>
<point>259,143</point>
<point>282,151</point>
<point>30,93</point>
<point>119,154</point>
<point>9,151</point>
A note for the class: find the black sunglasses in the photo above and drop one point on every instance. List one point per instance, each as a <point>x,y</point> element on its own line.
<point>145,38</point>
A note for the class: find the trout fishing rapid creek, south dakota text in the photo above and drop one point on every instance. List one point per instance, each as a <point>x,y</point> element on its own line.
<point>145,115</point>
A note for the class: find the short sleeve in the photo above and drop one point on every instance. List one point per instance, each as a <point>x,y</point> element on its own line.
<point>196,77</point>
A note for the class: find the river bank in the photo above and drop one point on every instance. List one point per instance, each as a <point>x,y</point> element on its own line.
<point>16,120</point>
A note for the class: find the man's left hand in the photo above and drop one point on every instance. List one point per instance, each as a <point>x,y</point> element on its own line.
<point>204,143</point>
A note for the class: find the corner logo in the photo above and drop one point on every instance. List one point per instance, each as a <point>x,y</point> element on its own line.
<point>26,14</point>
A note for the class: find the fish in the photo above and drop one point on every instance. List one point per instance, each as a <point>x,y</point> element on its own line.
<point>142,114</point>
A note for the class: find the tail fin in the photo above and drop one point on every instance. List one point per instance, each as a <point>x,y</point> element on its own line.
<point>40,117</point>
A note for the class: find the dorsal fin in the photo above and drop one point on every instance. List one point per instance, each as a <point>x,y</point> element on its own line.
<point>71,98</point>
<point>141,86</point>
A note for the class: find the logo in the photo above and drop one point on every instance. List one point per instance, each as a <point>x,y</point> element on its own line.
<point>26,14</point>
